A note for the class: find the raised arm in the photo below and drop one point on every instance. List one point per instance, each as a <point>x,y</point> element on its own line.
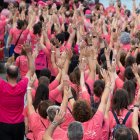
<point>59,117</point>
<point>136,114</point>
<point>31,70</point>
<point>107,90</point>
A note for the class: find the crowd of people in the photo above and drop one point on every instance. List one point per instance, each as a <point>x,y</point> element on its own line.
<point>73,70</point>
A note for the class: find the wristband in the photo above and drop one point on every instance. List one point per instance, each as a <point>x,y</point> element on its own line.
<point>29,88</point>
<point>54,123</point>
<point>70,98</point>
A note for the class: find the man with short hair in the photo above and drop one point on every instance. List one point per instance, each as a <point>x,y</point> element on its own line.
<point>75,129</point>
<point>12,101</point>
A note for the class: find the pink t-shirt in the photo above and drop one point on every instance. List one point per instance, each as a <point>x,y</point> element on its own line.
<point>15,33</point>
<point>126,47</point>
<point>12,101</point>
<point>93,127</point>
<point>22,63</point>
<point>38,126</point>
<point>2,29</point>
<point>68,118</point>
<point>41,61</point>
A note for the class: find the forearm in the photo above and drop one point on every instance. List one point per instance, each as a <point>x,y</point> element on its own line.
<point>92,66</point>
<point>31,64</point>
<point>82,81</point>
<point>135,120</point>
<point>64,103</point>
<point>49,132</point>
<point>104,99</point>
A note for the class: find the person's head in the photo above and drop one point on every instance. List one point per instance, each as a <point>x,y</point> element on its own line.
<point>125,38</point>
<point>37,28</point>
<point>45,72</point>
<point>130,87</point>
<point>20,24</point>
<point>134,134</point>
<point>61,38</point>
<point>12,72</point>
<point>44,80</point>
<point>98,88</point>
<point>130,61</point>
<point>75,131</point>
<point>82,111</point>
<point>122,57</point>
<point>51,112</point>
<point>128,13</point>
<point>128,73</point>
<point>42,93</point>
<point>75,76</point>
<point>74,63</point>
<point>120,100</point>
<point>42,108</point>
<point>123,133</point>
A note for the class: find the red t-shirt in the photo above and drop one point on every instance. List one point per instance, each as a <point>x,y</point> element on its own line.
<point>12,101</point>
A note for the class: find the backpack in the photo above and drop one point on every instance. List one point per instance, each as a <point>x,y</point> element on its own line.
<point>94,105</point>
<point>118,124</point>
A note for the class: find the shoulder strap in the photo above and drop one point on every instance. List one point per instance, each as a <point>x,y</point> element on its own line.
<point>18,38</point>
<point>126,117</point>
<point>116,118</point>
<point>69,110</point>
<point>43,123</point>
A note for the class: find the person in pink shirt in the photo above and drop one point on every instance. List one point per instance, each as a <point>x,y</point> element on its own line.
<point>22,63</point>
<point>119,107</point>
<point>18,36</point>
<point>12,101</point>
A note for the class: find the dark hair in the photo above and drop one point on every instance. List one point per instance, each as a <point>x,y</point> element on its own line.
<point>12,72</point>
<point>42,93</point>
<point>138,58</point>
<point>74,63</point>
<point>120,100</point>
<point>44,80</point>
<point>98,87</point>
<point>128,73</point>
<point>122,58</point>
<point>20,24</point>
<point>45,72</point>
<point>128,12</point>
<point>130,87</point>
<point>82,111</point>
<point>42,108</point>
<point>123,133</point>
<point>134,134</point>
<point>60,37</point>
<point>37,28</point>
<point>130,61</point>
<point>75,76</point>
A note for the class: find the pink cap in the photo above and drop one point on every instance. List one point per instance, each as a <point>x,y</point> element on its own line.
<point>5,12</point>
<point>41,3</point>
<point>88,12</point>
